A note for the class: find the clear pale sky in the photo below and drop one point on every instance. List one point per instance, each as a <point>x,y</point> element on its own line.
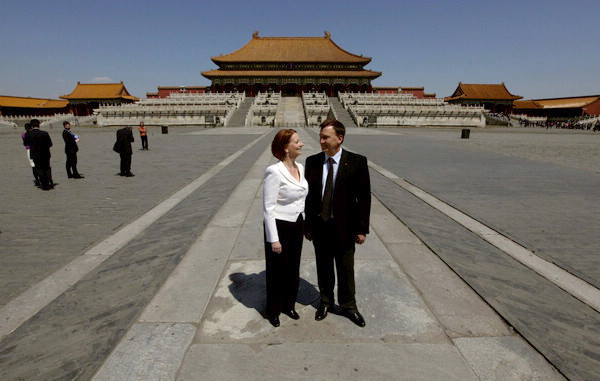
<point>539,49</point>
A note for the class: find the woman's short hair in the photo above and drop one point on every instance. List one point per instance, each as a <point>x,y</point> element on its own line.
<point>280,141</point>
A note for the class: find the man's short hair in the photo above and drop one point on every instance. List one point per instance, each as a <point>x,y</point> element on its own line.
<point>34,123</point>
<point>338,126</point>
<point>66,122</point>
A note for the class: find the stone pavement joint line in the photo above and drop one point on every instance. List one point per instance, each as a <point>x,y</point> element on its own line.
<point>26,305</point>
<point>575,286</point>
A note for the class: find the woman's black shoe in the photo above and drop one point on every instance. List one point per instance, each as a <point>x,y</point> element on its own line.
<point>274,321</point>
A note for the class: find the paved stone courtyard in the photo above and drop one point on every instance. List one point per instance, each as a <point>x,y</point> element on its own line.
<point>182,297</point>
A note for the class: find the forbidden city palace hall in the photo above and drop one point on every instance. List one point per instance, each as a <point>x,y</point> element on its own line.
<point>291,65</point>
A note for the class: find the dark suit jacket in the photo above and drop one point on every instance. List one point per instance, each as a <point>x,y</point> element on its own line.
<point>124,140</point>
<point>39,142</point>
<point>70,143</point>
<point>351,196</point>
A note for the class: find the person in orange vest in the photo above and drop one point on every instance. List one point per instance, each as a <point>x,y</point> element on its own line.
<point>143,135</point>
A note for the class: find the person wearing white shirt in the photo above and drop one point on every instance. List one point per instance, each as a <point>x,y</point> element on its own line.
<point>284,193</point>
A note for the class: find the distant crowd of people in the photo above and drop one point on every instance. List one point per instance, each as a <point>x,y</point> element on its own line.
<point>500,116</point>
<point>38,143</point>
<point>569,124</point>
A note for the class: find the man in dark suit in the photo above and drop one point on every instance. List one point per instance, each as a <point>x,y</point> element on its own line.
<point>337,209</point>
<point>39,142</point>
<point>123,147</point>
<point>71,150</point>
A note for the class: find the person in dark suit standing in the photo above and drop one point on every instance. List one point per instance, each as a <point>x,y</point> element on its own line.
<point>123,147</point>
<point>71,150</point>
<point>338,206</point>
<point>39,142</point>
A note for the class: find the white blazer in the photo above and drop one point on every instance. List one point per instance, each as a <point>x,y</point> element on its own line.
<point>283,197</point>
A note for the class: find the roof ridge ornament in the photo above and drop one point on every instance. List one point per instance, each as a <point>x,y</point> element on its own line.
<point>327,35</point>
<point>255,34</point>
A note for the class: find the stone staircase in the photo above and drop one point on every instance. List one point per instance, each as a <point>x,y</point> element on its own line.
<point>290,113</point>
<point>341,113</point>
<point>238,119</point>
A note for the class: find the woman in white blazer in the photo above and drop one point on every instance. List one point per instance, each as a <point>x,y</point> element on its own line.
<point>284,192</point>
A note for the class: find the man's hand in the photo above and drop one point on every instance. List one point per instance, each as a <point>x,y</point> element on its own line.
<point>360,239</point>
<point>308,236</point>
<point>276,247</point>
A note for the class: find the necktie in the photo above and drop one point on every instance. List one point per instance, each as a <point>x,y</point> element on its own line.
<point>326,207</point>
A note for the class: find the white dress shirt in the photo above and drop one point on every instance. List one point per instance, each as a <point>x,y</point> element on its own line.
<point>283,197</point>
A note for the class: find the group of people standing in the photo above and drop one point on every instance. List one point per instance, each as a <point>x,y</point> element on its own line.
<point>328,203</point>
<point>38,142</point>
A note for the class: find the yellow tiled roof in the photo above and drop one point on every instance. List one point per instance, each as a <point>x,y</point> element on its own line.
<point>482,91</point>
<point>99,91</point>
<point>27,102</point>
<point>291,49</point>
<point>290,73</point>
<point>566,102</point>
<point>526,103</point>
<point>571,102</point>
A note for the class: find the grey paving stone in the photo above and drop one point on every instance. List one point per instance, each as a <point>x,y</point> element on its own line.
<point>325,361</point>
<point>391,306</point>
<point>43,231</point>
<point>71,337</point>
<point>505,358</point>
<point>561,327</point>
<point>550,209</point>
<point>150,352</point>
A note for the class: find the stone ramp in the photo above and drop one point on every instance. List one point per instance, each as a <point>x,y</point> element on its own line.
<point>290,113</point>
<point>238,119</point>
<point>423,322</point>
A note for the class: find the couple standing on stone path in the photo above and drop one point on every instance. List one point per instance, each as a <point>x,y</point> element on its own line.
<point>329,204</point>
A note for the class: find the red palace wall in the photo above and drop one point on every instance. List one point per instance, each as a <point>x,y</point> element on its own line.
<point>163,92</point>
<point>417,92</point>
<point>593,109</point>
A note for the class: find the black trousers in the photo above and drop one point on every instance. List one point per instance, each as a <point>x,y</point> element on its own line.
<point>329,252</point>
<point>144,141</point>
<point>44,172</point>
<point>125,163</point>
<point>283,269</point>
<point>72,164</point>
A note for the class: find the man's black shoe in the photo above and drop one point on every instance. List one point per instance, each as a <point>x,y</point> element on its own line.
<point>355,317</point>
<point>78,177</point>
<point>274,321</point>
<point>321,312</point>
<point>292,314</point>
<point>129,175</point>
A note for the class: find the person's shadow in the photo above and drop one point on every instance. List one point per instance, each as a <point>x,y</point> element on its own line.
<point>251,291</point>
